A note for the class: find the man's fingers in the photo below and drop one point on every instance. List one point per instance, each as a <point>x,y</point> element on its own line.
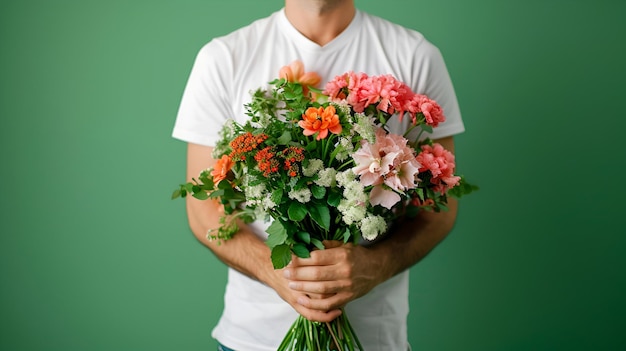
<point>333,303</point>
<point>312,273</point>
<point>317,287</point>
<point>317,315</point>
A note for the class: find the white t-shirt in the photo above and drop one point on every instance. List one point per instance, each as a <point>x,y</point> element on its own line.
<point>228,68</point>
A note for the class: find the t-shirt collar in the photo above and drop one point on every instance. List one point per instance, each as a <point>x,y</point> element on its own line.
<point>305,43</point>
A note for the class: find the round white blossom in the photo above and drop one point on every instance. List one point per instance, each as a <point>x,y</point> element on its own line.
<point>342,107</point>
<point>302,195</point>
<point>326,177</point>
<point>313,167</point>
<point>345,177</point>
<point>351,212</point>
<point>372,226</point>
<point>355,192</point>
<point>267,203</point>
<point>255,192</point>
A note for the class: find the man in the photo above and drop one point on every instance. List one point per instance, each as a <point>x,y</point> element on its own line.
<point>331,37</point>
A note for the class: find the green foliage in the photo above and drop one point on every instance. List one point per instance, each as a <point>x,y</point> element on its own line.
<point>277,234</point>
<point>318,191</point>
<point>464,188</point>
<point>281,256</point>
<point>301,251</point>
<point>320,214</point>
<point>297,211</point>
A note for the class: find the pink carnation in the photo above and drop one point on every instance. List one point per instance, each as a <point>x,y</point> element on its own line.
<point>384,91</point>
<point>440,163</point>
<point>389,161</point>
<point>346,87</point>
<point>430,108</point>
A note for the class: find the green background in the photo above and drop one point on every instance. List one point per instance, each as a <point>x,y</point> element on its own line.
<point>95,256</point>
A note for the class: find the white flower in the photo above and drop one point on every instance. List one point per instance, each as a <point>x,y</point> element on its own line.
<point>226,134</point>
<point>345,148</point>
<point>326,177</point>
<point>345,177</point>
<point>342,107</point>
<point>313,167</point>
<point>372,226</point>
<point>302,195</point>
<point>264,120</point>
<point>351,211</point>
<point>255,192</point>
<point>355,192</point>
<point>365,127</point>
<point>267,203</point>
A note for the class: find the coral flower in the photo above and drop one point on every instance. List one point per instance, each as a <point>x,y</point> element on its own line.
<point>295,73</point>
<point>221,169</point>
<point>320,120</point>
<point>440,163</point>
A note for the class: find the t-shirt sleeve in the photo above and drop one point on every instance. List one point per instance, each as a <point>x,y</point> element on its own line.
<point>204,106</point>
<point>438,86</point>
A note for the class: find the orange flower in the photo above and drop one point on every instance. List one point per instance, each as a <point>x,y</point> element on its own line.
<point>294,73</point>
<point>293,155</point>
<point>267,161</point>
<point>320,120</point>
<point>245,143</point>
<point>221,169</point>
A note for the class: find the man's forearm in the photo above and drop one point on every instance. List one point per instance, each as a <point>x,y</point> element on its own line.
<point>412,239</point>
<point>245,251</point>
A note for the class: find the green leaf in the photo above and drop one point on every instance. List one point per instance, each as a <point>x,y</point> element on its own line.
<point>216,193</point>
<point>176,194</point>
<point>304,237</point>
<point>301,251</point>
<point>321,215</point>
<point>201,195</point>
<point>311,146</point>
<point>281,256</point>
<point>189,187</point>
<point>317,243</point>
<point>297,211</point>
<point>277,234</point>
<point>276,196</point>
<point>334,198</point>
<point>225,185</point>
<point>285,138</point>
<point>318,191</point>
<point>346,235</point>
<point>426,128</point>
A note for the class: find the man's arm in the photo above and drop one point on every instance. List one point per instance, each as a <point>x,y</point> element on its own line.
<point>343,273</point>
<point>245,252</point>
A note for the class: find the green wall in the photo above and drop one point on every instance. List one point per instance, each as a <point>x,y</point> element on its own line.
<point>95,256</point>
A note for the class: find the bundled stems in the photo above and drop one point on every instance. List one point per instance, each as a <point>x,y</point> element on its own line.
<point>305,335</point>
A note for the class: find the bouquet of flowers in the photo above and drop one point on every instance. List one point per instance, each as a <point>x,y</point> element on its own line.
<point>323,165</point>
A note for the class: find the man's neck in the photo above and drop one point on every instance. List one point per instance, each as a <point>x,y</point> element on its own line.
<point>320,20</point>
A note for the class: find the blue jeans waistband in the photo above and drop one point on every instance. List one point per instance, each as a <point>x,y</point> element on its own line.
<point>221,347</point>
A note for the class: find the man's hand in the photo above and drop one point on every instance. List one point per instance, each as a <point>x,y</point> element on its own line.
<point>331,278</point>
<point>295,298</point>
